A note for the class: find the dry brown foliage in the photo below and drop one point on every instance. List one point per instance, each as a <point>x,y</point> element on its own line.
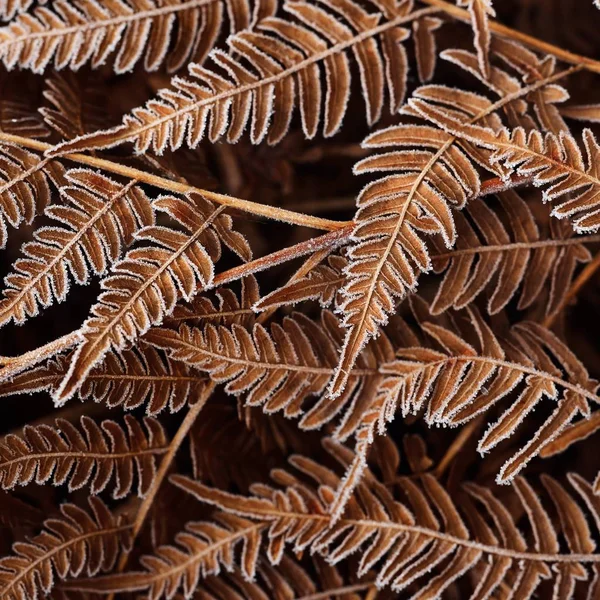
<point>299,299</point>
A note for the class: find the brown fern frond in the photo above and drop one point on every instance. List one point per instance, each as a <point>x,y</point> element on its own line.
<point>25,186</point>
<point>280,369</point>
<point>322,283</point>
<point>229,309</point>
<point>269,70</point>
<point>481,11</point>
<point>146,284</point>
<point>74,34</point>
<point>204,548</point>
<point>555,163</point>
<point>388,252</point>
<point>93,455</point>
<point>489,255</point>
<point>128,378</point>
<point>409,539</point>
<point>101,219</point>
<point>456,381</point>
<point>74,544</point>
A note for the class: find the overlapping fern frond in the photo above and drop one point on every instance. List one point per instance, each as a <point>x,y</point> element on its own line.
<point>269,70</point>
<point>72,34</point>
<point>568,175</point>
<point>99,218</point>
<point>74,543</point>
<point>145,285</point>
<point>91,454</point>
<point>490,255</point>
<point>129,379</point>
<point>420,543</point>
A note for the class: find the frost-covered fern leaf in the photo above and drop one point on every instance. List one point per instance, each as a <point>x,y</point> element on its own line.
<point>72,34</point>
<point>426,173</point>
<point>570,179</point>
<point>144,286</point>
<point>89,455</point>
<point>481,11</point>
<point>280,369</point>
<point>204,548</point>
<point>424,536</point>
<point>25,186</point>
<point>455,381</point>
<point>97,221</point>
<point>268,71</point>
<point>128,378</point>
<point>491,256</point>
<point>78,542</point>
<point>531,97</point>
<point>229,308</point>
<point>322,283</point>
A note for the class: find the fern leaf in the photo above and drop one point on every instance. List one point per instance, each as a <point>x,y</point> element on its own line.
<point>91,456</point>
<point>424,538</point>
<point>146,284</point>
<point>229,309</point>
<point>486,256</point>
<point>457,382</point>
<point>285,60</point>
<point>204,548</point>
<point>128,378</point>
<point>24,186</point>
<point>480,11</point>
<point>74,34</point>
<point>74,544</point>
<point>555,163</point>
<point>322,283</point>
<point>276,370</point>
<point>387,252</point>
<point>102,219</point>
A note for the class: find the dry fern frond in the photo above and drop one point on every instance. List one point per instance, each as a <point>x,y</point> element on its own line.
<point>555,163</point>
<point>100,219</point>
<point>72,34</point>
<point>204,548</point>
<point>269,70</point>
<point>146,284</point>
<point>75,543</point>
<point>25,186</point>
<point>406,540</point>
<point>128,378</point>
<point>455,382</point>
<point>388,252</point>
<point>280,369</point>
<point>229,309</point>
<point>481,11</point>
<point>322,283</point>
<point>92,455</point>
<point>489,255</point>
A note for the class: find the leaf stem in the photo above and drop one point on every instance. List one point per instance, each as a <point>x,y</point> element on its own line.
<point>178,187</point>
<point>165,463</point>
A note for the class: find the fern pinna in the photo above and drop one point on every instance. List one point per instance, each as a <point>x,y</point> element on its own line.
<point>299,299</point>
